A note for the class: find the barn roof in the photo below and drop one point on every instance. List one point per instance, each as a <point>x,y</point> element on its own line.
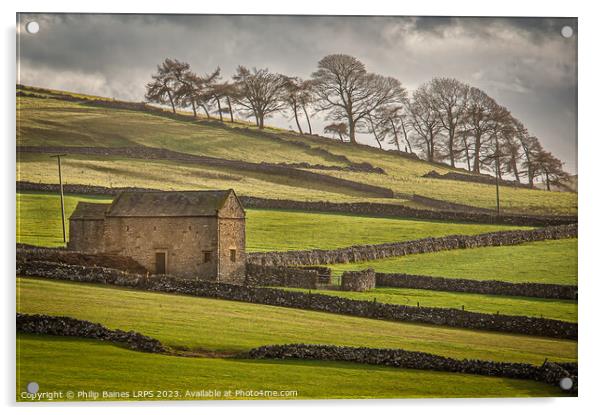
<point>91,211</point>
<point>169,204</point>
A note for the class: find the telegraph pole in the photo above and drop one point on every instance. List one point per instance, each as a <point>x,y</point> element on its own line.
<point>58,158</point>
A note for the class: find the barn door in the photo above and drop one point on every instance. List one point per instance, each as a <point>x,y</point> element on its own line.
<point>160,263</point>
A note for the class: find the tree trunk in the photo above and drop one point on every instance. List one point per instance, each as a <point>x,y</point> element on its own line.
<point>451,148</point>
<point>405,137</point>
<point>260,125</point>
<point>206,110</point>
<point>219,109</point>
<point>297,119</point>
<point>351,130</point>
<point>307,117</point>
<point>173,106</point>
<point>193,109</point>
<point>395,135</point>
<point>548,181</point>
<point>466,151</point>
<point>230,109</point>
<point>374,132</point>
<point>341,137</point>
<point>477,155</point>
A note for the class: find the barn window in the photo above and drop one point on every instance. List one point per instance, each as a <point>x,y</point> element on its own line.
<point>206,257</point>
<point>233,255</point>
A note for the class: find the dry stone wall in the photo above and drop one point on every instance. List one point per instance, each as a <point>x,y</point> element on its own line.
<point>71,327</point>
<point>474,178</point>
<point>362,208</point>
<point>526,289</point>
<point>32,253</point>
<point>151,153</point>
<point>309,301</point>
<point>258,275</point>
<point>360,281</point>
<point>372,252</point>
<point>548,372</point>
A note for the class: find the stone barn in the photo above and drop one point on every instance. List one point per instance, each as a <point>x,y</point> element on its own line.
<point>195,234</point>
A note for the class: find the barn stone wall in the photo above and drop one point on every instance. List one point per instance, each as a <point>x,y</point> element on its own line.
<point>184,240</point>
<point>86,235</point>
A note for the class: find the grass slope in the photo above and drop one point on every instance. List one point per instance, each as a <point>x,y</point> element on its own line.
<point>551,262</point>
<point>39,223</point>
<point>522,306</point>
<point>200,323</point>
<point>55,122</point>
<point>63,364</point>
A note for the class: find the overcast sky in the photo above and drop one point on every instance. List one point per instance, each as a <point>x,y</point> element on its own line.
<point>524,63</point>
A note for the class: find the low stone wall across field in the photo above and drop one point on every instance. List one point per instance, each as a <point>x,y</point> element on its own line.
<point>151,153</point>
<point>60,255</point>
<point>281,277</point>
<point>71,327</point>
<point>360,208</point>
<point>548,372</point>
<point>371,252</point>
<point>524,289</point>
<point>474,178</point>
<point>308,301</point>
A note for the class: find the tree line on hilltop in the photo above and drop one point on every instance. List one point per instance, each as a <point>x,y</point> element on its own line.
<point>443,120</point>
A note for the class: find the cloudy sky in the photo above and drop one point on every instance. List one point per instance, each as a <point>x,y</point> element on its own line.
<point>524,63</point>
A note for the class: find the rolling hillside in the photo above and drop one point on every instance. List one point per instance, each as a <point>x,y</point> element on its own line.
<point>48,119</point>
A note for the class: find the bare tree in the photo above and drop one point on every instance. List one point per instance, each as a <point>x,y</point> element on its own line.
<point>165,83</point>
<point>425,122</point>
<point>348,93</point>
<point>479,114</point>
<point>450,100</point>
<point>259,92</point>
<point>189,89</point>
<point>339,129</point>
<point>306,99</point>
<point>293,90</point>
<point>550,168</point>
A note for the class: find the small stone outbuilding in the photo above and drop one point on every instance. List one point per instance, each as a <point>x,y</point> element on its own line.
<point>195,234</point>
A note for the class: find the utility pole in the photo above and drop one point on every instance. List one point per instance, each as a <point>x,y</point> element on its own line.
<point>58,158</point>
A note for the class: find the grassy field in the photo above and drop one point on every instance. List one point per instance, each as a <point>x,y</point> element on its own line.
<point>39,223</point>
<point>194,323</point>
<point>552,262</point>
<point>521,306</point>
<point>62,364</point>
<point>55,122</point>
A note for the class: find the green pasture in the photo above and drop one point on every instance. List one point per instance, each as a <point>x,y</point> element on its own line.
<point>68,364</point>
<point>551,262</point>
<point>193,323</point>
